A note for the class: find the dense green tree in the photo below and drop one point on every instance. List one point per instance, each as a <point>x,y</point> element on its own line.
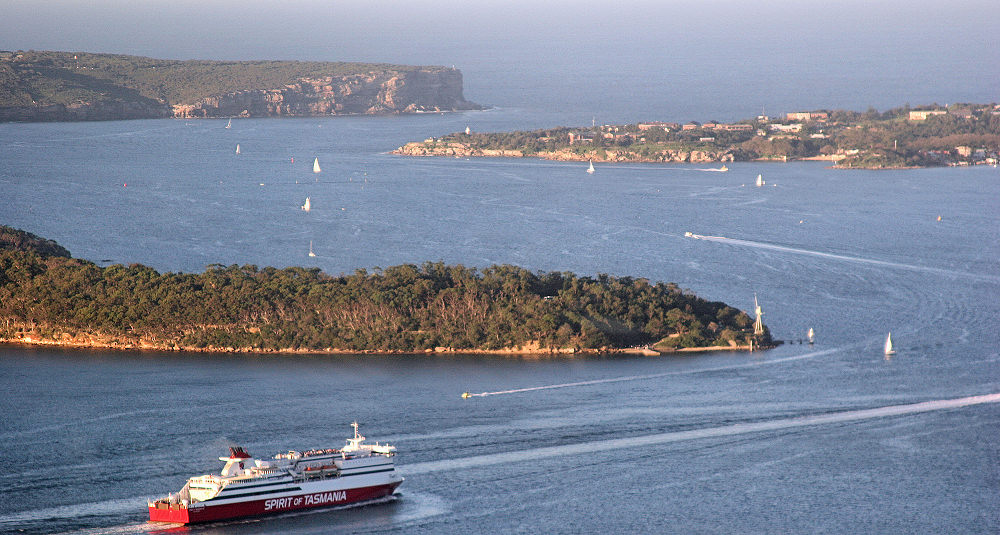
<point>400,308</point>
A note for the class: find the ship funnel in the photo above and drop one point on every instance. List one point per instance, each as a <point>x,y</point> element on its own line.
<point>237,452</point>
<point>234,463</point>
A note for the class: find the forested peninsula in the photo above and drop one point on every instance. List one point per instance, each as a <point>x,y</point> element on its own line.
<point>959,134</point>
<point>48,297</point>
<point>79,86</point>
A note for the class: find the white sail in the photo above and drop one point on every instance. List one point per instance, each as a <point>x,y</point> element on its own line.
<point>230,123</point>
<point>811,335</point>
<point>316,168</point>
<point>591,168</point>
<point>311,253</point>
<point>307,206</point>
<point>760,180</point>
<point>237,148</point>
<point>888,345</point>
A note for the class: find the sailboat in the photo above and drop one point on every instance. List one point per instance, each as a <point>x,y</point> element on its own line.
<point>811,335</point>
<point>237,148</point>
<point>316,168</point>
<point>307,206</point>
<point>591,168</point>
<point>230,123</point>
<point>760,180</point>
<point>888,345</point>
<point>311,253</point>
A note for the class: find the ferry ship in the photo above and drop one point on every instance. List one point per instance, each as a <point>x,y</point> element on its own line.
<point>290,481</point>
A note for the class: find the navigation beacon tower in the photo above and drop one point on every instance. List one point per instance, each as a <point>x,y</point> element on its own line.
<point>758,323</point>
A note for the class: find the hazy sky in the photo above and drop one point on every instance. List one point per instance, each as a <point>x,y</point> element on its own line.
<point>815,53</point>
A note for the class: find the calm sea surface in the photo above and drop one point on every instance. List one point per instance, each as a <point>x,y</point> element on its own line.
<point>710,443</point>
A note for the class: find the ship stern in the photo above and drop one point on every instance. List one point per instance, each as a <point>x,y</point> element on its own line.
<point>175,513</point>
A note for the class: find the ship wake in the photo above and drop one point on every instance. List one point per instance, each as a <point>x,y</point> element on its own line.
<point>520,456</point>
<point>810,355</point>
<point>885,263</point>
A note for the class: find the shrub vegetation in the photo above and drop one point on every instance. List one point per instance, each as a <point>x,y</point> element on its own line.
<point>404,308</point>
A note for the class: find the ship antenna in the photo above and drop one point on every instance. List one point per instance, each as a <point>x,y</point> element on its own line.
<point>355,426</point>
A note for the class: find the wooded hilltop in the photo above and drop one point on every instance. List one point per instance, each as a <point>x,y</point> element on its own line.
<point>70,86</point>
<point>46,296</point>
<point>959,134</point>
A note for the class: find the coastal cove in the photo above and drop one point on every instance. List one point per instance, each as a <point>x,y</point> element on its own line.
<point>525,247</point>
<point>738,441</point>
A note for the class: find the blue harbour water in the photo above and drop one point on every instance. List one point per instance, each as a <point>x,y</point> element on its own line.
<point>642,445</point>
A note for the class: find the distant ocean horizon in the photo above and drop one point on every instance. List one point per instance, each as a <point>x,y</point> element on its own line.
<point>567,63</point>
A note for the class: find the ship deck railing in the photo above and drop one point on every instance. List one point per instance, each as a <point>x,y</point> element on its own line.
<point>160,504</point>
<point>328,451</point>
<point>317,474</point>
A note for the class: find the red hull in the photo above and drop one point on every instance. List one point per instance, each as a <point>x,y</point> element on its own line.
<point>179,514</point>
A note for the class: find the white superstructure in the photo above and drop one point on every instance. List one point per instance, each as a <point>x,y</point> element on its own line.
<point>248,486</point>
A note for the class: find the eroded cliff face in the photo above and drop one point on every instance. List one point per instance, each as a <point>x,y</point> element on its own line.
<point>425,90</point>
<point>389,91</point>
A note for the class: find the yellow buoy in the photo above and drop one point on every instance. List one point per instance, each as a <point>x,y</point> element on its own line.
<point>939,218</point>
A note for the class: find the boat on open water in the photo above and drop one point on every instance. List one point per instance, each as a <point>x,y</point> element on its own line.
<point>292,481</point>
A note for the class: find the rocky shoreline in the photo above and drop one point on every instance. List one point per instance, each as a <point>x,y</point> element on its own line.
<point>901,138</point>
<point>375,93</point>
<point>461,150</point>
<point>91,341</point>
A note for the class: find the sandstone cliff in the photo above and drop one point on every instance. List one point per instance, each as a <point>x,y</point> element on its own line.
<point>67,86</point>
<point>425,90</point>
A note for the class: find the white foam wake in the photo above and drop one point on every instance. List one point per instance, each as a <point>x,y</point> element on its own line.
<point>652,376</point>
<point>793,250</point>
<point>711,432</point>
<point>76,510</point>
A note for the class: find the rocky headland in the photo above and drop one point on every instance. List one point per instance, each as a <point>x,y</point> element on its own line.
<point>384,92</point>
<point>465,150</point>
<point>65,86</point>
<point>900,138</point>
